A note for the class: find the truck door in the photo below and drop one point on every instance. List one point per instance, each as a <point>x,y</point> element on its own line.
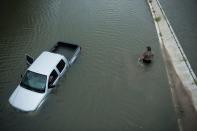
<point>61,66</point>
<point>53,79</point>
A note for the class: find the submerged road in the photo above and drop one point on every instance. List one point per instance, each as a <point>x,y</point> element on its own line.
<point>106,89</point>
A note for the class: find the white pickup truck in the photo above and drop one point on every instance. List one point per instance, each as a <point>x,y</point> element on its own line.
<point>42,76</point>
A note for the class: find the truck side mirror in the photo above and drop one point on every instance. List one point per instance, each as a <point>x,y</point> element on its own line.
<point>29,59</point>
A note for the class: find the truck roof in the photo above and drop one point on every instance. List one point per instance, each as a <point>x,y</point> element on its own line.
<point>45,63</point>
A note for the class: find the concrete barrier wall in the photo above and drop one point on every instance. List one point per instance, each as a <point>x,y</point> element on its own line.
<point>182,70</point>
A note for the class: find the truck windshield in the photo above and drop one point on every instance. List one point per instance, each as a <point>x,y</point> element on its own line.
<point>34,81</point>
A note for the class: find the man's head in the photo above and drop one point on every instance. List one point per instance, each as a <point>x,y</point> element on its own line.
<point>148,48</point>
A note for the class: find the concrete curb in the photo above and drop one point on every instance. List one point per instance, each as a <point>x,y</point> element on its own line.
<point>169,41</point>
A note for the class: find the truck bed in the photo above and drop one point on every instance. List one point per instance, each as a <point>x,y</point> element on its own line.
<point>69,51</point>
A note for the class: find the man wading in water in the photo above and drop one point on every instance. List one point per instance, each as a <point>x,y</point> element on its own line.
<point>147,56</point>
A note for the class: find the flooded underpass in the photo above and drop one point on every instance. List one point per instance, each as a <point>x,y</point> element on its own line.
<point>106,88</point>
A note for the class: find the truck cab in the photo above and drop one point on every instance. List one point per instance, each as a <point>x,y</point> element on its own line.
<point>38,81</point>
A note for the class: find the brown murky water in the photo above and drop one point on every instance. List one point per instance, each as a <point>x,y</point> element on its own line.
<point>106,89</point>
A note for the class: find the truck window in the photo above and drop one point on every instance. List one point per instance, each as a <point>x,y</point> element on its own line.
<point>53,76</point>
<point>60,66</point>
<point>34,81</point>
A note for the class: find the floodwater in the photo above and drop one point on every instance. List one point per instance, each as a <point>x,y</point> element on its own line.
<point>184,22</point>
<point>106,89</point>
